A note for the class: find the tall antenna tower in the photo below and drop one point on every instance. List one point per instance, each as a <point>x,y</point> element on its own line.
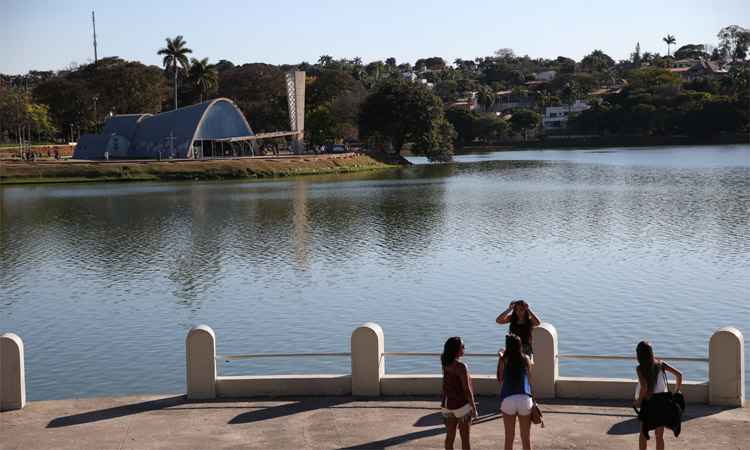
<point>93,22</point>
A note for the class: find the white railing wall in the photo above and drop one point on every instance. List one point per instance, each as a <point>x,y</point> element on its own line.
<point>726,384</point>
<point>12,373</point>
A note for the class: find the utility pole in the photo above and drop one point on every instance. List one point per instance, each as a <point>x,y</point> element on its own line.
<point>93,22</point>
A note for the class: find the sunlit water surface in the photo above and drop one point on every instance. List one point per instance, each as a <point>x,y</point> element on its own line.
<point>103,281</point>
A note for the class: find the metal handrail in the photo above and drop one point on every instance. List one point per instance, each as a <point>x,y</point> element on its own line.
<point>473,355</point>
<point>630,358</point>
<point>278,355</point>
<point>435,354</point>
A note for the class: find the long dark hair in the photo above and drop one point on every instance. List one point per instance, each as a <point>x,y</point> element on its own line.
<point>647,364</point>
<point>450,351</point>
<point>522,330</point>
<point>513,356</point>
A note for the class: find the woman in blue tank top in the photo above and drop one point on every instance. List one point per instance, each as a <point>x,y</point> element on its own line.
<point>513,371</point>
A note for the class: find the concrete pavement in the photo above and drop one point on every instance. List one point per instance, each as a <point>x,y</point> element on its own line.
<point>159,422</point>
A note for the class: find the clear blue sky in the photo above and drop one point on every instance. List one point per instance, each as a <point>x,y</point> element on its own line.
<point>50,34</point>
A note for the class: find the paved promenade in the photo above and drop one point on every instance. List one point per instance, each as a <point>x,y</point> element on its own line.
<point>158,422</point>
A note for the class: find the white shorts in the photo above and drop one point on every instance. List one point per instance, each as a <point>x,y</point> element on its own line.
<point>458,413</point>
<point>517,404</point>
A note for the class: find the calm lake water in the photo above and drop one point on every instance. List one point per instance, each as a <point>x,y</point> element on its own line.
<point>103,281</point>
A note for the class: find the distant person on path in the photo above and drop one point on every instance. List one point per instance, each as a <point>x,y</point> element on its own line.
<point>652,384</point>
<point>514,375</point>
<point>457,401</point>
<point>522,321</point>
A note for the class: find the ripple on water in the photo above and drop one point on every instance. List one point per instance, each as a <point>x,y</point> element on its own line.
<point>104,281</point>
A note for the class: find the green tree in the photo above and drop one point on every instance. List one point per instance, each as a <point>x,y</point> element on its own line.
<point>465,124</point>
<point>691,51</point>
<point>734,41</point>
<point>259,90</point>
<point>491,128</point>
<point>204,76</point>
<point>669,40</point>
<point>121,87</point>
<point>635,57</point>
<point>485,97</point>
<point>175,54</point>
<point>325,60</point>
<point>402,112</point>
<point>524,120</point>
<point>432,63</point>
<point>597,61</point>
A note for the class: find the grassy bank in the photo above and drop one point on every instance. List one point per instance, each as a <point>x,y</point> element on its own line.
<point>18,172</point>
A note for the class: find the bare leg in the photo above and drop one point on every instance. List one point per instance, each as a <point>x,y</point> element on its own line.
<point>525,422</point>
<point>464,427</point>
<point>659,438</point>
<point>510,430</point>
<point>642,442</point>
<point>450,436</point>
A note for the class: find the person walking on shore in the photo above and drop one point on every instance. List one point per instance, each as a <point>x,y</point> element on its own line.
<point>457,403</point>
<point>522,321</point>
<point>652,385</point>
<point>514,374</point>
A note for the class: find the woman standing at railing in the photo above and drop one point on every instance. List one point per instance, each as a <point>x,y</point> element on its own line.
<point>457,405</point>
<point>652,384</point>
<point>522,321</point>
<point>513,373</point>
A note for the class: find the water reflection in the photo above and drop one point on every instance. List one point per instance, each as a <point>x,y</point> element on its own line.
<point>606,249</point>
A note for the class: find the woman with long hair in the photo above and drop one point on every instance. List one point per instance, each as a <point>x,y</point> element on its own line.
<point>652,380</point>
<point>522,321</point>
<point>514,374</point>
<point>457,406</point>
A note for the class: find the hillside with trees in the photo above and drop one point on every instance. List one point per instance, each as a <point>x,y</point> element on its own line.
<point>697,90</point>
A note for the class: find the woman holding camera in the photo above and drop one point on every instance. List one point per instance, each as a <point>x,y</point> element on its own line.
<point>522,321</point>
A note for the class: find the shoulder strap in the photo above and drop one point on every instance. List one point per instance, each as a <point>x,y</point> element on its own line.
<point>664,374</point>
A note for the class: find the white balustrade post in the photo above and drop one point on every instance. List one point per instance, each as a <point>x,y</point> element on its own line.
<point>12,373</point>
<point>368,366</point>
<point>545,372</point>
<point>726,372</point>
<point>200,346</point>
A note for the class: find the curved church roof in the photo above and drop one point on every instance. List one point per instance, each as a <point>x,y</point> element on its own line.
<point>168,134</point>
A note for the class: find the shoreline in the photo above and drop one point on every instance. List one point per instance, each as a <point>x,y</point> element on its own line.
<point>15,172</point>
<point>576,143</point>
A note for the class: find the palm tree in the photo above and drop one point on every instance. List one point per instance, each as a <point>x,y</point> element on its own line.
<point>175,53</point>
<point>669,39</point>
<point>203,75</point>
<point>486,97</point>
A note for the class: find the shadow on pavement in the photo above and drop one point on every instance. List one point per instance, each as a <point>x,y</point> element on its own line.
<point>117,411</point>
<point>397,440</point>
<point>295,406</point>
<point>633,426</point>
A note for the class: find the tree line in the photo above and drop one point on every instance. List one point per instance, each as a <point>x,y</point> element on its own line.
<point>397,105</point>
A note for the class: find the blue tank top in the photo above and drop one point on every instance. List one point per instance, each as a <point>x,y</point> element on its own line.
<point>514,384</point>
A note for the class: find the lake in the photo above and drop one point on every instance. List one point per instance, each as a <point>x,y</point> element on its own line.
<point>611,246</point>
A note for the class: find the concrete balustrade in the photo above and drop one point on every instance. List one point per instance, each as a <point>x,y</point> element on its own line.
<point>369,379</point>
<point>200,346</point>
<point>545,372</point>
<point>725,387</point>
<point>368,365</point>
<point>726,371</point>
<point>12,373</point>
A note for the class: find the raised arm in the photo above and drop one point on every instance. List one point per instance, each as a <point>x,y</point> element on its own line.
<point>505,316</point>
<point>677,375</point>
<point>467,384</point>
<point>535,322</point>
